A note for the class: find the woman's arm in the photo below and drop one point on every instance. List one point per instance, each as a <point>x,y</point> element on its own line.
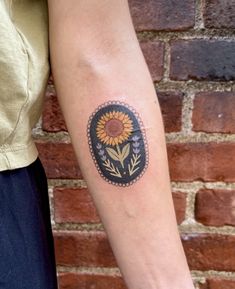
<point>113,117</point>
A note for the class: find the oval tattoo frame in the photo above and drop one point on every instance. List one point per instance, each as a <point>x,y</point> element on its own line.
<point>117,142</point>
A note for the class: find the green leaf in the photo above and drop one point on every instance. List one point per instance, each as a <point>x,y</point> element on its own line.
<point>125,151</point>
<point>113,154</point>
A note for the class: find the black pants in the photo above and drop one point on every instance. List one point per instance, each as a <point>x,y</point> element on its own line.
<point>26,243</point>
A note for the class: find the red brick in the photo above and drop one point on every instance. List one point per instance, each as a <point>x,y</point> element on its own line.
<point>154,56</point>
<point>168,15</point>
<point>83,249</point>
<point>202,59</point>
<point>217,283</point>
<point>202,161</point>
<point>171,107</point>
<point>90,281</point>
<point>74,205</point>
<point>219,14</point>
<point>179,199</point>
<point>215,207</point>
<point>203,251</point>
<point>59,160</point>
<point>210,252</point>
<point>52,118</point>
<point>214,112</point>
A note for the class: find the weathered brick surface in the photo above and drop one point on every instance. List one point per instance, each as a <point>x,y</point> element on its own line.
<point>215,207</point>
<point>154,54</point>
<point>76,206</point>
<point>179,199</point>
<point>217,283</point>
<point>219,13</point>
<point>90,281</point>
<point>162,14</point>
<point>52,118</point>
<point>83,249</point>
<point>171,107</point>
<point>202,60</point>
<point>58,160</point>
<point>214,112</point>
<point>210,251</point>
<point>202,161</point>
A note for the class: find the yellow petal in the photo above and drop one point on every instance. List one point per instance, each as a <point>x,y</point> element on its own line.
<point>101,122</point>
<point>122,116</point>
<point>121,138</point>
<point>106,139</point>
<point>103,135</point>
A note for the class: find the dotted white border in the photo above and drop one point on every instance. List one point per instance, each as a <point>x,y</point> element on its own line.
<point>142,132</point>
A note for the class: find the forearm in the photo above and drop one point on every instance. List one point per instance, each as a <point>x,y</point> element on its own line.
<point>138,216</point>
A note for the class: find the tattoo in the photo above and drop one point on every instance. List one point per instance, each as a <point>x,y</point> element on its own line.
<point>117,143</point>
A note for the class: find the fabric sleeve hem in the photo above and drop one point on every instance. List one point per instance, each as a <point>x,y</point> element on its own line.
<point>18,157</point>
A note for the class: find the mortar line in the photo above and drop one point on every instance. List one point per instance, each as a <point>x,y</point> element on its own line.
<point>78,227</point>
<point>176,185</point>
<point>213,273</point>
<point>199,137</point>
<point>108,271</point>
<point>196,228</point>
<point>190,34</point>
<point>51,203</point>
<point>194,187</point>
<point>167,56</point>
<point>67,183</point>
<point>196,86</point>
<point>199,23</point>
<point>114,271</point>
<point>187,111</point>
<point>186,229</point>
<point>190,208</point>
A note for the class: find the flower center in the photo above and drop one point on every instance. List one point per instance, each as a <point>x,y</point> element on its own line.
<point>114,127</point>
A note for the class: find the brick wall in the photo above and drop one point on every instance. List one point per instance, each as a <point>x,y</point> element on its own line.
<point>190,49</point>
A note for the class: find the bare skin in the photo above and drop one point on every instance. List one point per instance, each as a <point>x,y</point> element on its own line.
<point>96,59</point>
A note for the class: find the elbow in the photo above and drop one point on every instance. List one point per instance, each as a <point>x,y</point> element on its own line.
<point>103,58</point>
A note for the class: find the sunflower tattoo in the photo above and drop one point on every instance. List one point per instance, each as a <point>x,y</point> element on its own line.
<point>117,143</point>
<point>114,127</point>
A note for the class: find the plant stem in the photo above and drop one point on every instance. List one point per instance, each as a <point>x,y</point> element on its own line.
<point>120,156</point>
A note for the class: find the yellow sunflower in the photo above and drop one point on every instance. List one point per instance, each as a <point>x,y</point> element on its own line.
<point>114,127</point>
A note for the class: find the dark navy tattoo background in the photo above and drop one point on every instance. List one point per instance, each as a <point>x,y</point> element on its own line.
<point>117,143</point>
